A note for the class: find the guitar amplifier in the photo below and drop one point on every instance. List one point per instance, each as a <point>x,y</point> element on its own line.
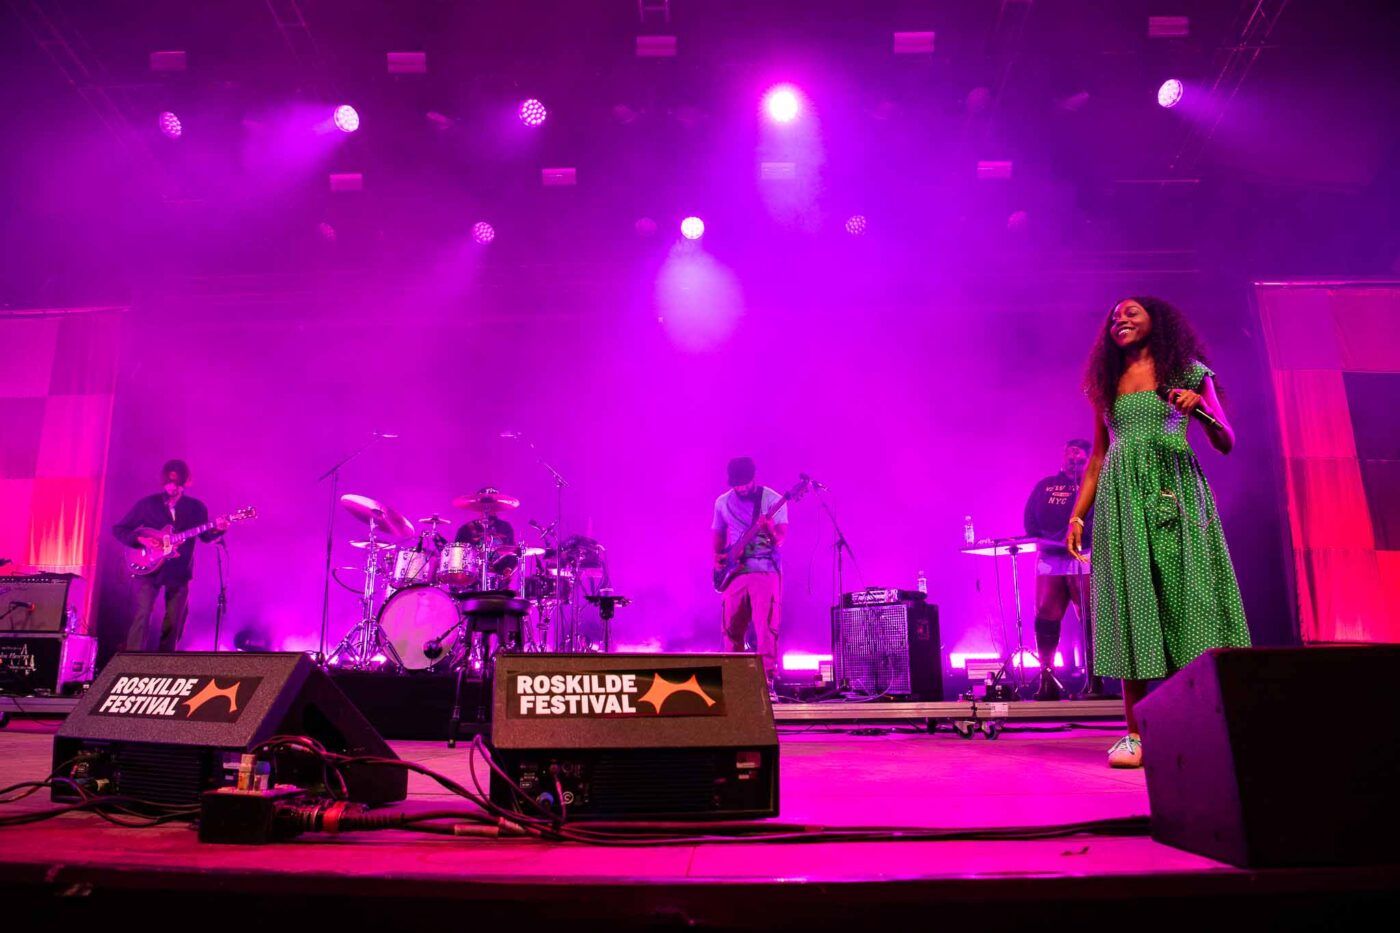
<point>892,649</point>
<point>58,600</point>
<point>45,663</point>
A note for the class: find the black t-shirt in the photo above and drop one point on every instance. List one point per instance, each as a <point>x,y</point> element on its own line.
<point>1048,509</point>
<point>152,512</point>
<point>471,532</point>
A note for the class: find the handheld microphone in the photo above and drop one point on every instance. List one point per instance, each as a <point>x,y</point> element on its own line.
<point>1205,417</point>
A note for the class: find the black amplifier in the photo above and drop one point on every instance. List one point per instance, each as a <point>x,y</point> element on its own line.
<point>635,736</point>
<point>892,649</point>
<point>41,663</point>
<point>881,596</point>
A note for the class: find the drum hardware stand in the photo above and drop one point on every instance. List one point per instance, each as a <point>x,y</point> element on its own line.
<point>607,603</point>
<point>333,474</point>
<point>367,638</point>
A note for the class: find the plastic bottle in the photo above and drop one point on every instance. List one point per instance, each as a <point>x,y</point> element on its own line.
<point>969,537</point>
<point>921,583</point>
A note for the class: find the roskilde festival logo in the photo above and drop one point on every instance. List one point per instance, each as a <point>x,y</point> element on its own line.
<point>201,698</point>
<point>617,694</point>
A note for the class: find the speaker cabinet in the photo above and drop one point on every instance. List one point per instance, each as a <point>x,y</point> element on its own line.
<point>1266,757</point>
<point>168,727</point>
<point>635,736</point>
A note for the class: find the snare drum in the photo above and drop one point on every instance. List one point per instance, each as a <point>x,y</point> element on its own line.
<point>415,616</point>
<point>412,565</point>
<point>459,564</point>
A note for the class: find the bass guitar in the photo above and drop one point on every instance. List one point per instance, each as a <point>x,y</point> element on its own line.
<point>732,560</point>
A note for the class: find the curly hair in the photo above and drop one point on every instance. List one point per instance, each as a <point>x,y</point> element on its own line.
<point>1173,343</point>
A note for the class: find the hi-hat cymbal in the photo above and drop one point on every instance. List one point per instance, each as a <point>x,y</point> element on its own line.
<point>434,520</point>
<point>378,545</point>
<point>388,520</point>
<point>488,501</point>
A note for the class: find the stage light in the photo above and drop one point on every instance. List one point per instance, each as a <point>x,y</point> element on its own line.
<point>170,125</point>
<point>782,103</point>
<point>856,225</point>
<point>532,112</point>
<point>692,228</point>
<point>1169,94</point>
<point>483,232</point>
<point>347,120</point>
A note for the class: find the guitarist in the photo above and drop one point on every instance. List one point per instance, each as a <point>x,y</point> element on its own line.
<point>754,595</point>
<point>170,506</point>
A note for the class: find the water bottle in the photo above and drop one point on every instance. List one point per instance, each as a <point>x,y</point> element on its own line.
<point>921,582</point>
<point>969,538</point>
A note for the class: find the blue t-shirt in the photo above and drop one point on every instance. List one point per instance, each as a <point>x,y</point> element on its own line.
<point>734,515</point>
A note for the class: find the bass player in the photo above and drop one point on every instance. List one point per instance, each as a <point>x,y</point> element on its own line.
<point>754,593</point>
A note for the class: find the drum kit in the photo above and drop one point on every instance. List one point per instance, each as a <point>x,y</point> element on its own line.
<point>421,595</point>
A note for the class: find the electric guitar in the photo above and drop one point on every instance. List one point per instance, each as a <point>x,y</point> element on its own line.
<point>143,561</point>
<point>733,555</point>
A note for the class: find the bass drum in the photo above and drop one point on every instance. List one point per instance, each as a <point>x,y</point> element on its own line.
<point>415,616</point>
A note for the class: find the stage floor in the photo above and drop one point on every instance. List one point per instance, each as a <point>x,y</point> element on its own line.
<point>1027,776</point>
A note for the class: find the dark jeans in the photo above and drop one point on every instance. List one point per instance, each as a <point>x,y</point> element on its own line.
<point>177,607</point>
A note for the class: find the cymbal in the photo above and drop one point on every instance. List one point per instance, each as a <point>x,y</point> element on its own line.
<point>489,501</point>
<point>434,520</point>
<point>529,551</point>
<point>390,522</point>
<point>378,545</point>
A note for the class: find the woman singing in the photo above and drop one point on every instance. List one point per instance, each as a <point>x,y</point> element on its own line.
<point>1164,589</point>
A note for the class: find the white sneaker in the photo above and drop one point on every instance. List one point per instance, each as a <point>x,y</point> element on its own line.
<point>1126,752</point>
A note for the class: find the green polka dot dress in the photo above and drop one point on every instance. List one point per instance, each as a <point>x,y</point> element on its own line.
<point>1164,588</point>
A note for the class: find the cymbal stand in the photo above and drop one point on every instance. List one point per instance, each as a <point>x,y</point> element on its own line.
<point>366,638</point>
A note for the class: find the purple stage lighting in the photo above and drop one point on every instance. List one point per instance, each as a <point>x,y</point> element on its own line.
<point>532,112</point>
<point>692,228</point>
<point>782,103</point>
<point>170,125</point>
<point>1169,94</point>
<point>347,120</point>
<point>483,232</point>
<point>856,225</point>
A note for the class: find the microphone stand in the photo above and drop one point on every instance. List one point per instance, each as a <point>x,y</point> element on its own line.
<point>840,546</point>
<point>333,474</point>
<point>220,607</point>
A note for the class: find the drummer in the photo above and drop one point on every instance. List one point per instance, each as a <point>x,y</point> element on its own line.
<point>490,525</point>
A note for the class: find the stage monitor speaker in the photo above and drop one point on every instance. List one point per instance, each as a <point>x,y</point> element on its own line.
<point>1271,757</point>
<point>635,736</point>
<point>167,727</point>
<point>892,649</point>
